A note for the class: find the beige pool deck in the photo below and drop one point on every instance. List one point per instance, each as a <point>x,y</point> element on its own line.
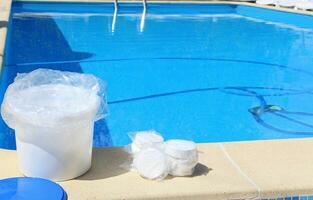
<point>243,170</point>
<point>237,170</point>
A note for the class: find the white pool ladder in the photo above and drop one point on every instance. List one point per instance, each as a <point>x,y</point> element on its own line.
<point>142,21</point>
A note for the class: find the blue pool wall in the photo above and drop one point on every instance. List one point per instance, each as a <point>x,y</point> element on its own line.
<point>165,8</point>
<point>301,20</point>
<point>309,197</point>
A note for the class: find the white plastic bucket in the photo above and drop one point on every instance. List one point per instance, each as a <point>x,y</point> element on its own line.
<point>42,154</point>
<point>60,146</point>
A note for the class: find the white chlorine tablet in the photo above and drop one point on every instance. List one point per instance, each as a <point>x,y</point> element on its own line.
<point>182,171</point>
<point>182,156</point>
<point>151,163</point>
<point>146,139</point>
<point>189,163</point>
<point>182,149</point>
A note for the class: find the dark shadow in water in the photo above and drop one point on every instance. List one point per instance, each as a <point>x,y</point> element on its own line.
<point>39,39</point>
<point>33,40</point>
<point>106,163</point>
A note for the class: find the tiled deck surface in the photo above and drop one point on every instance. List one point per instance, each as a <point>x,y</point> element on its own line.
<point>241,170</point>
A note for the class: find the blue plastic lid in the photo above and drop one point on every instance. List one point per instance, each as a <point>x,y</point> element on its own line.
<point>25,188</point>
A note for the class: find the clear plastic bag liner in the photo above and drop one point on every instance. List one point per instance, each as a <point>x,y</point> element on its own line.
<point>46,97</point>
<point>145,139</point>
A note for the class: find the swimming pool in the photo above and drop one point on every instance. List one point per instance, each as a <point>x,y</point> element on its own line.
<point>209,73</point>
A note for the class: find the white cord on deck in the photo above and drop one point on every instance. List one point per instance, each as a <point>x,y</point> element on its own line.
<point>241,172</point>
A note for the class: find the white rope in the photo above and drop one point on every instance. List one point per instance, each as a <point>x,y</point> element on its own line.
<point>241,172</point>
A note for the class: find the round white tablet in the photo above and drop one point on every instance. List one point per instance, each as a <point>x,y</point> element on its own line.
<point>151,163</point>
<point>182,149</point>
<point>182,171</point>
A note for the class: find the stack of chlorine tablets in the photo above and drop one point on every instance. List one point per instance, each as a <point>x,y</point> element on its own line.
<point>182,155</point>
<point>155,159</point>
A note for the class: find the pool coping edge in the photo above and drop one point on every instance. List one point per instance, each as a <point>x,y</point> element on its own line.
<point>244,2</point>
<point>4,18</point>
<point>237,170</point>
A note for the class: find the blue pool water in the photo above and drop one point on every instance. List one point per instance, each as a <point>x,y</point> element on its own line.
<point>209,73</point>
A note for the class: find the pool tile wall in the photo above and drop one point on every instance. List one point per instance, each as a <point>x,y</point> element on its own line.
<point>292,198</point>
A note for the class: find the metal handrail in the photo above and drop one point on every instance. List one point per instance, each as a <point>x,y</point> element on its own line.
<point>143,16</point>
<point>144,2</point>
<point>115,5</point>
<point>115,15</point>
<point>142,21</point>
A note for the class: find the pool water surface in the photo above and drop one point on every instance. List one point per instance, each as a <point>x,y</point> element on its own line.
<point>208,73</point>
